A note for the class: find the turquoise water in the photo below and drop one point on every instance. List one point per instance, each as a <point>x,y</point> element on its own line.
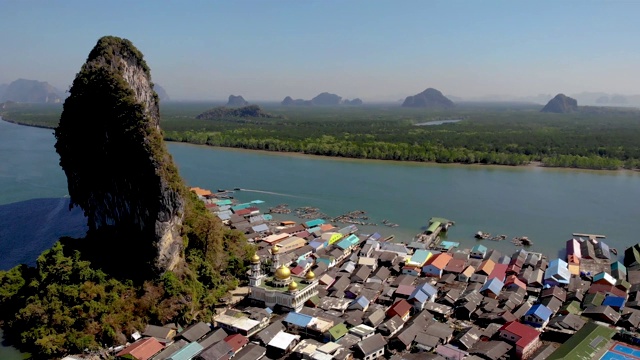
<point>545,204</point>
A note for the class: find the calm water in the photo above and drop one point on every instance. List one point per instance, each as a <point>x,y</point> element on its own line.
<point>546,205</point>
<point>437,122</point>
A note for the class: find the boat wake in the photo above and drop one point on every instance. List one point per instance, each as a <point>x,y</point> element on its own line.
<point>272,193</point>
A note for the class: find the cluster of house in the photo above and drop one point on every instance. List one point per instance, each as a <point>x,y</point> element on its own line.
<point>322,292</point>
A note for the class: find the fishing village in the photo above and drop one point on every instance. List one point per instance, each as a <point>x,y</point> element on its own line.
<point>319,288</point>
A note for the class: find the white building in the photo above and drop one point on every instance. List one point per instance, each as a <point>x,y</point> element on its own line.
<point>281,288</point>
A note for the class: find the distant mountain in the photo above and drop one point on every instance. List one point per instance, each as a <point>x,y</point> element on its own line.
<point>31,91</point>
<point>222,112</point>
<point>326,99</point>
<point>322,99</point>
<point>561,104</point>
<point>354,102</point>
<point>288,101</point>
<point>237,101</point>
<point>162,94</point>
<point>430,99</point>
<point>3,87</point>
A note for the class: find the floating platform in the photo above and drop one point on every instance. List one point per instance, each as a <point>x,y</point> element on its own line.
<point>590,236</point>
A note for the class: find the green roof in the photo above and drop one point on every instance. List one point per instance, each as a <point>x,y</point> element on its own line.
<point>572,308</point>
<point>440,220</point>
<point>593,299</point>
<point>434,225</point>
<point>584,344</point>
<point>338,331</point>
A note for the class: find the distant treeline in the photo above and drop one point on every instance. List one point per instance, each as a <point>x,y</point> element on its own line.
<point>503,134</point>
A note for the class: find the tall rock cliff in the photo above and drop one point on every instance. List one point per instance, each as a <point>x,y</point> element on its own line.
<point>111,149</point>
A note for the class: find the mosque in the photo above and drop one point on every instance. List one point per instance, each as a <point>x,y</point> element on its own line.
<point>281,288</point>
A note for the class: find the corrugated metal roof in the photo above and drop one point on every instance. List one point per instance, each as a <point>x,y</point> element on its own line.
<point>540,311</point>
<point>260,228</point>
<point>314,222</point>
<point>298,319</point>
<point>188,352</point>
<point>282,340</point>
<point>494,285</point>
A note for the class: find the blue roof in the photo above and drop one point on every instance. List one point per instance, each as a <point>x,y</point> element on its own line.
<point>257,202</point>
<point>375,236</point>
<point>558,271</point>
<point>298,319</point>
<point>479,248</point>
<point>188,352</point>
<point>314,229</point>
<point>314,222</point>
<point>614,301</point>
<point>494,285</point>
<point>428,289</point>
<point>316,244</point>
<point>240,207</point>
<point>260,228</point>
<point>540,311</point>
<point>348,242</point>
<point>362,301</point>
<point>420,256</point>
<point>419,295</point>
<point>618,266</point>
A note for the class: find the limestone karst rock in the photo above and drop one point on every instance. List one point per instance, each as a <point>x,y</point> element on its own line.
<point>430,99</point>
<point>118,168</point>
<point>561,104</point>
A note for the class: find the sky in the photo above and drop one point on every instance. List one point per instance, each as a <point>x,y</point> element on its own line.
<point>377,50</point>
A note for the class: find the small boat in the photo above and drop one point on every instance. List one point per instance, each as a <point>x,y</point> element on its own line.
<point>237,189</point>
<point>614,251</point>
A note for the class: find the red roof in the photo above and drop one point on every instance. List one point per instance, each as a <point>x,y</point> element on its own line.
<point>297,270</point>
<point>512,279</point>
<point>400,308</point>
<point>142,349</point>
<point>526,333</point>
<point>236,341</point>
<point>606,288</point>
<point>243,212</point>
<point>499,271</point>
<point>405,290</point>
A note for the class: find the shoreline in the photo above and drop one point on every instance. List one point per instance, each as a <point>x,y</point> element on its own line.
<point>534,165</point>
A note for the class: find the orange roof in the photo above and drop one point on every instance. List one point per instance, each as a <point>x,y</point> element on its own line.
<point>440,261</point>
<point>573,259</point>
<point>326,227</point>
<point>287,222</point>
<point>201,192</point>
<point>487,266</point>
<point>142,349</point>
<point>512,279</point>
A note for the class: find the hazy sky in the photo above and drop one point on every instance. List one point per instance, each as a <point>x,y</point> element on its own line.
<point>374,49</point>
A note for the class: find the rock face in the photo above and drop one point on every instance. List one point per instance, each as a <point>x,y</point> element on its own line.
<point>111,149</point>
<point>430,99</point>
<point>237,101</point>
<point>561,104</point>
<point>31,91</point>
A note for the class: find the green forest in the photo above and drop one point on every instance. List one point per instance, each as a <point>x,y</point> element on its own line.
<point>503,134</point>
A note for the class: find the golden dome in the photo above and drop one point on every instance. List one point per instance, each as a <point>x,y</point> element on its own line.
<point>293,286</point>
<point>310,275</point>
<point>255,258</point>
<point>283,273</point>
<point>275,249</point>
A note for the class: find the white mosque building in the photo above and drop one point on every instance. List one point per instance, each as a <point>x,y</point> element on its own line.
<point>281,288</point>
